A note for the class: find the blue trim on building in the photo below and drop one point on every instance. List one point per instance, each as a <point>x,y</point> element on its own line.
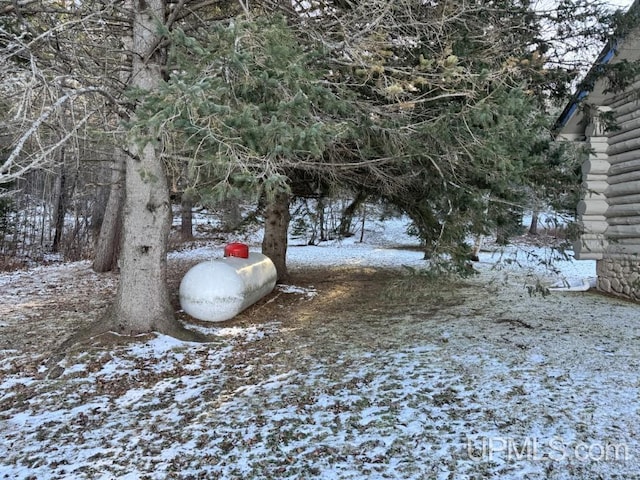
<point>586,85</point>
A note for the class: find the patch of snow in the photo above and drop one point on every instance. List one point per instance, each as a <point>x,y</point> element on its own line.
<point>574,285</point>
<point>308,292</point>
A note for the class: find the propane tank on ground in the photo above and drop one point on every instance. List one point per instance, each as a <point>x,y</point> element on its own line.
<point>218,290</point>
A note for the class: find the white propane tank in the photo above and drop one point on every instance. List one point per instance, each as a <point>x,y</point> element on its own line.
<point>218,290</point>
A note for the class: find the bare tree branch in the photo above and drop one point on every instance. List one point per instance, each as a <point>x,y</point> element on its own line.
<point>8,171</point>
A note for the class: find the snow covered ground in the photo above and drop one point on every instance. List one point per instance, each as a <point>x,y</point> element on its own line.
<point>492,383</point>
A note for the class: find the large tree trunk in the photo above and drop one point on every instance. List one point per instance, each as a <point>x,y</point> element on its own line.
<point>276,227</point>
<point>109,241</point>
<point>142,302</point>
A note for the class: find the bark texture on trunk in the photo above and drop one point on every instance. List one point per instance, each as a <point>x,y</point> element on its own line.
<point>110,238</point>
<point>276,227</point>
<point>142,303</point>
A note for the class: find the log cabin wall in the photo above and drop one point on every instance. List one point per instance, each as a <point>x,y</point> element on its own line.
<point>609,212</point>
<point>614,174</point>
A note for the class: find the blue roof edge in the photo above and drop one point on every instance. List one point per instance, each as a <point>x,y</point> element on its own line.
<point>585,87</point>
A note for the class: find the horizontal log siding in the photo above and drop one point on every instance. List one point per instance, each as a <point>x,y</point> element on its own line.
<point>625,166</point>
<point>623,192</point>
<point>625,200</point>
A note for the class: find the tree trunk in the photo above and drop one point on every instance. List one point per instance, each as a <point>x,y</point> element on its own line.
<point>320,219</point>
<point>231,214</point>
<point>533,228</point>
<point>276,227</point>
<point>362,223</point>
<point>61,207</point>
<point>346,221</point>
<point>186,216</point>
<point>110,238</point>
<point>142,302</point>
